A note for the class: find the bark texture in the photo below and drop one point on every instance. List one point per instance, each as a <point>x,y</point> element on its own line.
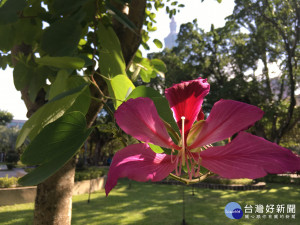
<point>53,203</point>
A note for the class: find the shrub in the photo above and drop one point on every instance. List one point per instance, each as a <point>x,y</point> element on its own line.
<point>274,178</point>
<point>90,173</point>
<point>11,159</point>
<point>6,182</point>
<point>217,180</point>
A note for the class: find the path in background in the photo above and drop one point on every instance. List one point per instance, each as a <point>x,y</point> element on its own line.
<point>16,172</point>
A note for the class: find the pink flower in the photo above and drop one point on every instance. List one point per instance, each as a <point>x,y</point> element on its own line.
<point>247,156</point>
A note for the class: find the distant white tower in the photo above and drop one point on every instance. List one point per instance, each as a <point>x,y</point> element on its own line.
<point>170,40</point>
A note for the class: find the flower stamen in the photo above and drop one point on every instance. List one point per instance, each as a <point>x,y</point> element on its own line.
<point>182,140</point>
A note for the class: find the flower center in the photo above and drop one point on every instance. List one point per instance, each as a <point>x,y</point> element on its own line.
<point>185,157</point>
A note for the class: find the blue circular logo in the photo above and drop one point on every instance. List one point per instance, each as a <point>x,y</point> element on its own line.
<point>233,210</point>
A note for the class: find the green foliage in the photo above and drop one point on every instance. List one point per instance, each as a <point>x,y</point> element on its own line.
<point>111,61</point>
<point>61,38</point>
<point>90,173</point>
<point>12,157</point>
<point>147,69</point>
<point>121,87</point>
<point>61,62</point>
<point>212,180</point>
<point>281,179</point>
<point>112,65</point>
<point>5,117</point>
<point>67,133</point>
<point>6,182</point>
<point>8,137</point>
<point>9,10</point>
<point>51,112</point>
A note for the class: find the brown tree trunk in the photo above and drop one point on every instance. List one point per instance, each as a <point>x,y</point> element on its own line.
<point>53,203</point>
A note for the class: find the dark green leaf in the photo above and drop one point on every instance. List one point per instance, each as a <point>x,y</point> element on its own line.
<point>61,62</point>
<point>61,38</point>
<point>7,35</point>
<point>22,75</point>
<point>9,11</point>
<point>54,146</point>
<point>67,6</point>
<point>50,112</point>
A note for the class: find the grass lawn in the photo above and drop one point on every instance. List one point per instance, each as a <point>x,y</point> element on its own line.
<point>147,203</point>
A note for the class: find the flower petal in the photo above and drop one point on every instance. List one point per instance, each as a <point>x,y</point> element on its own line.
<point>226,118</point>
<point>138,162</point>
<point>249,156</point>
<point>186,100</point>
<point>139,118</point>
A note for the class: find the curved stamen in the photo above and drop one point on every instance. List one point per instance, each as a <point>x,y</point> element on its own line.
<point>172,161</point>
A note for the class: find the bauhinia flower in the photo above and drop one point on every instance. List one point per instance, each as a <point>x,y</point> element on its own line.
<point>246,156</point>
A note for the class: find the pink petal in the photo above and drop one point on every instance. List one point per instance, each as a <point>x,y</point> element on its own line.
<point>186,99</point>
<point>249,156</point>
<point>200,115</point>
<point>226,118</point>
<point>139,118</point>
<point>138,162</point>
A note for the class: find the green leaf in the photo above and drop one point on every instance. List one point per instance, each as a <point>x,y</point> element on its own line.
<point>54,146</point>
<point>111,61</point>
<point>120,87</point>
<point>27,30</point>
<point>156,148</point>
<point>9,10</point>
<point>160,102</point>
<point>22,75</point>
<point>50,112</point>
<point>158,43</point>
<point>66,6</point>
<point>61,62</point>
<point>7,35</point>
<point>59,85</point>
<point>147,74</point>
<point>159,65</point>
<point>61,38</point>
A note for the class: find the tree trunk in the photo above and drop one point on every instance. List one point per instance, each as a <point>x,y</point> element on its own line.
<point>53,203</point>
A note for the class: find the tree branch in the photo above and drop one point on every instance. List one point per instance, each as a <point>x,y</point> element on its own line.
<point>130,41</point>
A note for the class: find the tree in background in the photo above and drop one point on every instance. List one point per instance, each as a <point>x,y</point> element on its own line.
<point>5,117</point>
